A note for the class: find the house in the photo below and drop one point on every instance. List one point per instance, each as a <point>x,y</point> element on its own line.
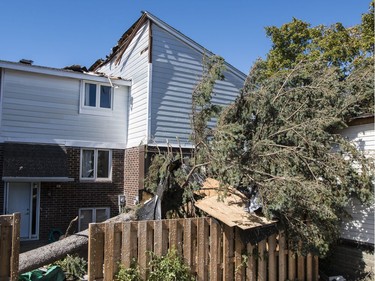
<point>353,257</point>
<point>75,142</point>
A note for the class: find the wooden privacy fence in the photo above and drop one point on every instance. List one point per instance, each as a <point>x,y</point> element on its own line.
<point>213,251</point>
<point>9,246</point>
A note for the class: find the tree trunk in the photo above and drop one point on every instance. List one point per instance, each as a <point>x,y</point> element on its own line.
<point>52,252</point>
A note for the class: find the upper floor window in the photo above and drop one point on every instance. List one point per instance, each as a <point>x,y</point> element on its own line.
<point>95,97</point>
<point>96,164</point>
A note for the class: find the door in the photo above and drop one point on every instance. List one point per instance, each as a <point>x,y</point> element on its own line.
<point>23,197</point>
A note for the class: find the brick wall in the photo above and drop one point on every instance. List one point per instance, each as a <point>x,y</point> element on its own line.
<point>134,173</point>
<point>60,201</point>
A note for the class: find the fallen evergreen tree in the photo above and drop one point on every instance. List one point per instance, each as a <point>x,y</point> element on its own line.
<point>279,139</point>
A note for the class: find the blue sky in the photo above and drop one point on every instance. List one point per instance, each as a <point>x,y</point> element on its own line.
<point>65,32</point>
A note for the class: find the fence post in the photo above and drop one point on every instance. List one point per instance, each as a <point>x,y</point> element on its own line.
<point>14,262</point>
<point>96,252</point>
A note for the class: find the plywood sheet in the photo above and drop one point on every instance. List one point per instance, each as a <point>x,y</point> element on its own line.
<point>231,209</point>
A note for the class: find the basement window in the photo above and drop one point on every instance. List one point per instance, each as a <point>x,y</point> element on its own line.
<point>96,98</point>
<point>90,215</point>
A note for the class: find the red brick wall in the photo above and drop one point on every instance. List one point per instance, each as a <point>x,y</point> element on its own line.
<point>134,173</point>
<point>60,201</point>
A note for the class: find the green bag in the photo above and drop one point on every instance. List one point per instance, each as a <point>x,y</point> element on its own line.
<point>54,273</point>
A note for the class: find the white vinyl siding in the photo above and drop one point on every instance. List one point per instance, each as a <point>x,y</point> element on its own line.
<point>177,69</point>
<point>134,66</point>
<point>361,226</point>
<point>44,108</point>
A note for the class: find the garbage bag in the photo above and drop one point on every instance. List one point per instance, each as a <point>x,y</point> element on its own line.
<point>54,273</point>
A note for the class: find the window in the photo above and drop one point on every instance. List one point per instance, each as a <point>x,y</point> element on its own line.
<point>96,96</point>
<point>89,215</point>
<point>96,164</point>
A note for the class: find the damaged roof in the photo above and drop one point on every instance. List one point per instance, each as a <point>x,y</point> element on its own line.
<point>126,38</point>
<point>73,71</point>
<point>231,209</point>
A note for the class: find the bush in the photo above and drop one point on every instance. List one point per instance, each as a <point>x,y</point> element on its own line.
<point>165,268</point>
<point>73,266</point>
<point>170,267</point>
<point>131,273</point>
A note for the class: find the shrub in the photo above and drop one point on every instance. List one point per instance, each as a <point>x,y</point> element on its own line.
<point>74,267</point>
<point>170,267</point>
<point>131,273</point>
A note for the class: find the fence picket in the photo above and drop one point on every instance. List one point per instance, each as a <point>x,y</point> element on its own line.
<point>228,268</point>
<point>145,243</point>
<point>251,271</point>
<point>5,248</point>
<point>188,247</point>
<point>160,238</point>
<point>282,256</point>
<point>213,251</point>
<point>238,262</point>
<point>109,239</point>
<point>309,267</point>
<point>300,264</point>
<point>262,261</point>
<point>129,242</point>
<point>202,230</point>
<point>272,270</point>
<point>291,265</point>
<point>316,268</point>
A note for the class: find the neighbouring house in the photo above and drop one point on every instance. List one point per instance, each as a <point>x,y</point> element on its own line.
<point>353,256</point>
<point>76,142</point>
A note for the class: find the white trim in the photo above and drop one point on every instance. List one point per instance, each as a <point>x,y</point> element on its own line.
<point>93,216</point>
<point>149,98</point>
<point>95,110</point>
<point>68,143</point>
<point>95,178</point>
<point>63,73</point>
<point>37,179</point>
<point>167,144</point>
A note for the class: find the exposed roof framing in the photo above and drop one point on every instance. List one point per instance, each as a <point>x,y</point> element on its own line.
<point>127,37</point>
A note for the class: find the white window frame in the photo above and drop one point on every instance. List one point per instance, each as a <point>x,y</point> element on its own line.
<point>95,178</point>
<point>95,110</point>
<point>93,209</point>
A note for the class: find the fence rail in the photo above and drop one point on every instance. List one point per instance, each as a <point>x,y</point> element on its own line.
<point>213,251</point>
<point>9,246</point>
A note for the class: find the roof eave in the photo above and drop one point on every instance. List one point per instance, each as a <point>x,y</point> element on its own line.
<point>90,76</point>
